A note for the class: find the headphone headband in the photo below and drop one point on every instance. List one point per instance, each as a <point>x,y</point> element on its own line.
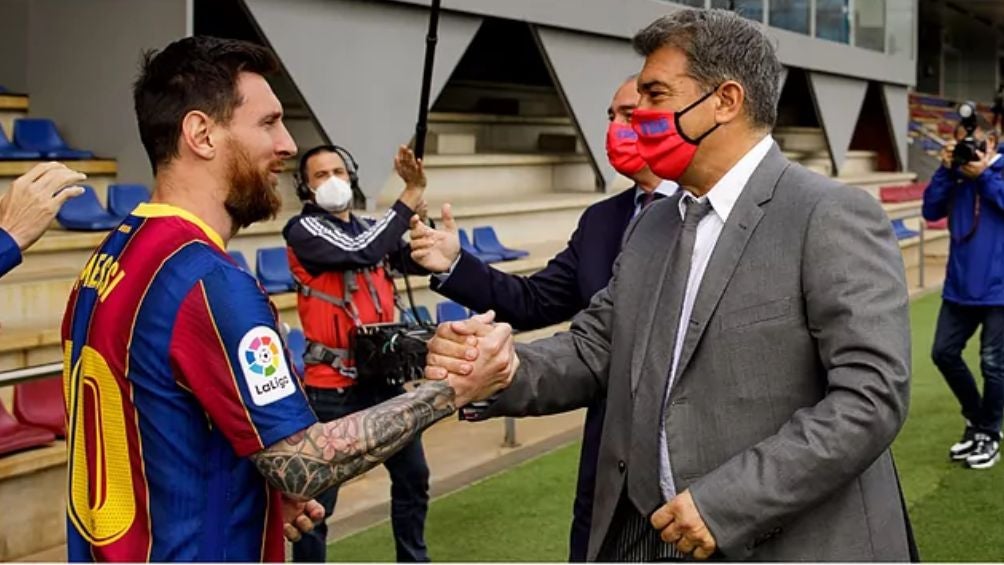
<point>351,166</point>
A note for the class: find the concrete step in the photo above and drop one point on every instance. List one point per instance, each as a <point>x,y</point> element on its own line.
<point>522,221</point>
<point>100,172</point>
<point>936,244</point>
<point>35,294</point>
<point>33,482</point>
<point>498,176</point>
<point>800,139</point>
<point>503,134</point>
<point>819,164</point>
<point>857,163</point>
<point>12,107</point>
<point>871,182</point>
<point>451,143</point>
<point>499,98</point>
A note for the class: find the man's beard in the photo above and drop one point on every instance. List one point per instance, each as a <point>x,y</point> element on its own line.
<point>252,196</point>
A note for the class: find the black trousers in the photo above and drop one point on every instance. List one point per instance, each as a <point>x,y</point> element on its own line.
<point>409,475</point>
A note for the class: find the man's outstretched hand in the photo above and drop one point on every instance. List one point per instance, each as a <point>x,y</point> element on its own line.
<point>476,356</point>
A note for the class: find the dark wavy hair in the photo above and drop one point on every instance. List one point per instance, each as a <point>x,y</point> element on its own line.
<point>195,73</point>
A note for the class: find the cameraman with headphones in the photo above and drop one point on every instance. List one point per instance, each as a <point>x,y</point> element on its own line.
<point>339,261</point>
<point>968,189</point>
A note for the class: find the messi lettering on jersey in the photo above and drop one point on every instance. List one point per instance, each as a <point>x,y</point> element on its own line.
<point>174,374</point>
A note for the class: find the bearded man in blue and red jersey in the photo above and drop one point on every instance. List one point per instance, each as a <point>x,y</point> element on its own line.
<point>190,439</point>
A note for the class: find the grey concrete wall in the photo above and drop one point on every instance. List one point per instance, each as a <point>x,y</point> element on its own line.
<point>14,45</point>
<point>82,60</point>
<point>972,74</point>
<point>589,69</point>
<point>622,18</point>
<point>358,66</point>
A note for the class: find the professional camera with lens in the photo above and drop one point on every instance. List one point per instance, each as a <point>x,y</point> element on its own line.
<point>389,355</point>
<point>966,149</point>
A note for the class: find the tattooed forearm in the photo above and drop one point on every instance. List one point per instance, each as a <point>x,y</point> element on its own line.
<point>326,455</point>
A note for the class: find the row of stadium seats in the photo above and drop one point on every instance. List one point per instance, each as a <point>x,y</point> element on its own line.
<point>85,212</point>
<point>487,246</point>
<point>274,275</point>
<point>37,138</point>
<point>38,416</point>
<point>273,264</point>
<point>913,192</point>
<point>446,311</point>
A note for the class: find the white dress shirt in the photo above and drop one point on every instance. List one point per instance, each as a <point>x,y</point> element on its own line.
<point>665,188</point>
<point>723,197</point>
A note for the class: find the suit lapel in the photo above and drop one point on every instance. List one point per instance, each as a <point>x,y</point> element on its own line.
<point>743,220</point>
<point>655,279</point>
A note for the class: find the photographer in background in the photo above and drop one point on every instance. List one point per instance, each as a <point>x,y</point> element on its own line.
<point>968,189</point>
<point>340,264</point>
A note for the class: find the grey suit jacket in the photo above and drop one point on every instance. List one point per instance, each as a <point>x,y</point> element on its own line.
<point>793,380</point>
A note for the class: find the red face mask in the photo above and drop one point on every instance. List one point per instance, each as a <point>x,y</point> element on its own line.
<point>662,144</point>
<point>622,149</point>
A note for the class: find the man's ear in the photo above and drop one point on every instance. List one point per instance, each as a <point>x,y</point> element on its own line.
<point>730,99</point>
<point>197,134</point>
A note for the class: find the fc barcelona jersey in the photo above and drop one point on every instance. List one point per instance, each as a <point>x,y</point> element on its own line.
<point>174,374</point>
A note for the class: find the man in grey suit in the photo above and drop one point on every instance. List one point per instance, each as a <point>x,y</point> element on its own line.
<point>753,345</point>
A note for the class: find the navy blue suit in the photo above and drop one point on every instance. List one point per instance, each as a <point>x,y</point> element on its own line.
<point>10,254</point>
<point>553,295</point>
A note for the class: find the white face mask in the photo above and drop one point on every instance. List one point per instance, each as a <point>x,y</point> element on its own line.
<point>334,195</point>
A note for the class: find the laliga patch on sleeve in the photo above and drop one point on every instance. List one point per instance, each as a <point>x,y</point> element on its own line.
<point>263,363</point>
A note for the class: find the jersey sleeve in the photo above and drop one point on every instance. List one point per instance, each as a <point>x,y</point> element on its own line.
<point>225,349</point>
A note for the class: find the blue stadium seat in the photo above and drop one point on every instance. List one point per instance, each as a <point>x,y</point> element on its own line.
<point>297,344</point>
<point>85,213</point>
<point>3,89</point>
<point>10,152</point>
<point>466,245</point>
<point>424,316</point>
<point>450,311</point>
<point>901,231</point>
<point>40,134</point>
<point>273,270</point>
<point>241,260</point>
<point>124,198</point>
<point>487,241</point>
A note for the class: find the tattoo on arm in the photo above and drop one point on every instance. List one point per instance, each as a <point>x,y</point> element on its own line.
<point>326,455</point>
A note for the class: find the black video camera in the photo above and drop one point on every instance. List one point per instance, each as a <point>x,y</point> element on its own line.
<point>966,149</point>
<point>390,354</point>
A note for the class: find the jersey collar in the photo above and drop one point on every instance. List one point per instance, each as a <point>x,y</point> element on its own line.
<point>150,210</point>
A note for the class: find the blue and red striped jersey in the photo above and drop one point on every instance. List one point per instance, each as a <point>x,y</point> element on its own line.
<point>174,374</point>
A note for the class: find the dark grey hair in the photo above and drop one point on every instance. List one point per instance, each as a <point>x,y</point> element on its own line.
<point>721,45</point>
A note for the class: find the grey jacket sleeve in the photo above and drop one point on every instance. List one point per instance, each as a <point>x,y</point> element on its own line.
<point>856,305</point>
<point>562,372</point>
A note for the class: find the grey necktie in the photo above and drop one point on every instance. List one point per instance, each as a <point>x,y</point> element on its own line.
<point>643,472</point>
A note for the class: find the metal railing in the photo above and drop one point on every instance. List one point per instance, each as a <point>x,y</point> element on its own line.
<point>909,214</point>
<point>15,376</point>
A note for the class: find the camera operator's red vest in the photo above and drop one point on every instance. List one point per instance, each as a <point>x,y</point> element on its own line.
<point>330,312</point>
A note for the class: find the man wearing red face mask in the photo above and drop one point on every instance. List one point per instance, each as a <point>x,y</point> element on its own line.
<point>753,346</point>
<point>565,285</point>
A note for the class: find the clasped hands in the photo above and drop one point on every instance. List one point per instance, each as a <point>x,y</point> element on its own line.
<point>477,357</point>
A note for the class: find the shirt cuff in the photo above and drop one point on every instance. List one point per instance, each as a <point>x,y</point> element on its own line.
<point>441,277</point>
<point>10,253</point>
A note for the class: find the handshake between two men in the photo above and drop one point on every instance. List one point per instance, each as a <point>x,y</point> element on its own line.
<point>477,354</point>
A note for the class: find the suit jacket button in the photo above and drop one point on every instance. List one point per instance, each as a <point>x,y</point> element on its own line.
<point>621,466</point>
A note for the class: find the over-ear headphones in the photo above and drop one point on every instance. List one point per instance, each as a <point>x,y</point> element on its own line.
<point>303,191</point>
